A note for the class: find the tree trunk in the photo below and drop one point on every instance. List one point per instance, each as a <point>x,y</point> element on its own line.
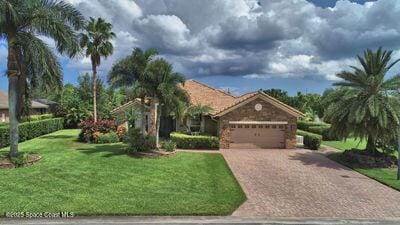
<point>371,148</point>
<point>13,74</point>
<point>158,125</point>
<point>398,158</point>
<point>94,79</point>
<point>143,116</point>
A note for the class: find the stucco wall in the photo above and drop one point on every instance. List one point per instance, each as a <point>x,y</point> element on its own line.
<point>247,112</point>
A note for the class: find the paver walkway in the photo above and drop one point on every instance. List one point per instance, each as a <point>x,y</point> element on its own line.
<point>302,183</point>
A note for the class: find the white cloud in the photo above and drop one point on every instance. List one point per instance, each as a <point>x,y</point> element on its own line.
<point>292,38</point>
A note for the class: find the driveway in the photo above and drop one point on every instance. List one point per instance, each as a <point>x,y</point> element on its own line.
<point>302,183</point>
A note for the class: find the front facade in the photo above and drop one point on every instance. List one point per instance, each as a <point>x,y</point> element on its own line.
<point>253,120</point>
<point>37,108</point>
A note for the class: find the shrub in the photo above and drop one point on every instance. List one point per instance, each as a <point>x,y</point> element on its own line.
<point>33,129</point>
<point>304,125</point>
<point>169,146</point>
<point>324,131</point>
<point>37,117</point>
<point>110,137</point>
<point>187,141</point>
<point>121,132</point>
<point>137,142</point>
<point>91,130</point>
<point>311,140</point>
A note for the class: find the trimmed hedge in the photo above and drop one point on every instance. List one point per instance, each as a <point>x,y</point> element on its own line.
<point>37,117</point>
<point>322,129</point>
<point>30,130</point>
<point>187,141</point>
<point>311,140</point>
<point>305,125</point>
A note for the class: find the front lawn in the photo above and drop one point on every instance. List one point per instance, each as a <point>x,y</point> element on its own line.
<point>349,143</point>
<point>92,179</point>
<point>385,176</point>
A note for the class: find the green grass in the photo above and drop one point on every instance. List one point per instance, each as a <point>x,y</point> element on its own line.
<point>92,179</point>
<point>383,175</point>
<point>347,144</point>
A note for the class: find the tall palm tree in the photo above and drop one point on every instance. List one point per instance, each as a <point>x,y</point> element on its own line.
<point>130,72</point>
<point>364,105</point>
<point>96,41</point>
<point>163,86</point>
<point>30,60</point>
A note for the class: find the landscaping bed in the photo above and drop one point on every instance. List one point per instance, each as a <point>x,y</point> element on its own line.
<point>6,162</point>
<point>101,179</point>
<point>357,158</point>
<point>152,154</point>
<point>387,176</point>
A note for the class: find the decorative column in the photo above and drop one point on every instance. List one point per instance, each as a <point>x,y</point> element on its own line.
<point>152,118</point>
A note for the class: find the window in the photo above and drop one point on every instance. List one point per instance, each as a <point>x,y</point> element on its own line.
<point>273,126</point>
<point>195,125</point>
<point>240,126</point>
<point>3,117</point>
<point>280,126</point>
<point>246,126</point>
<point>260,126</point>
<point>253,126</point>
<point>232,126</point>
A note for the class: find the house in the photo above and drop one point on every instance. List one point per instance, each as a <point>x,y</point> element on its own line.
<point>52,105</point>
<point>253,120</point>
<point>36,108</point>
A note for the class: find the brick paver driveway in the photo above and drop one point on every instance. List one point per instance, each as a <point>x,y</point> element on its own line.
<point>302,183</point>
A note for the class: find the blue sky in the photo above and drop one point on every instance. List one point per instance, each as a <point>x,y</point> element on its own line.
<point>244,45</point>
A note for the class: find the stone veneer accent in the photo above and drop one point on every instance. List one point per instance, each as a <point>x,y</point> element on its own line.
<point>247,112</point>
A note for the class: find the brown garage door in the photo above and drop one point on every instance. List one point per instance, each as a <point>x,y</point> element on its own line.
<point>257,136</point>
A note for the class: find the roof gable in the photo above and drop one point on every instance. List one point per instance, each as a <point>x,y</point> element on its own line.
<point>252,96</point>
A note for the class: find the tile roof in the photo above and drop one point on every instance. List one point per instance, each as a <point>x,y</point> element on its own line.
<point>202,94</point>
<point>218,100</point>
<point>4,102</point>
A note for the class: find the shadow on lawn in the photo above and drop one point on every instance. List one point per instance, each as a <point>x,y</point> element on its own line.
<point>57,136</point>
<point>312,158</point>
<point>110,150</point>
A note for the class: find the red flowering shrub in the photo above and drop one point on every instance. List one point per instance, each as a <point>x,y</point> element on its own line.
<point>91,130</point>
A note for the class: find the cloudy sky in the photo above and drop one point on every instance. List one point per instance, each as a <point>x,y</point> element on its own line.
<point>245,45</point>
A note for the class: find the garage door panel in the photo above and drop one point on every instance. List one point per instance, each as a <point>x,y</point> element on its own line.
<point>255,136</point>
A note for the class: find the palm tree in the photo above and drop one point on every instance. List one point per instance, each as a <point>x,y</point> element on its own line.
<point>130,72</point>
<point>163,86</point>
<point>195,112</point>
<point>96,41</point>
<point>364,105</point>
<point>30,60</point>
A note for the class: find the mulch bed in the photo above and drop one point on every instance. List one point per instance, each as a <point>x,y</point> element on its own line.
<point>152,154</point>
<point>359,158</point>
<point>5,162</point>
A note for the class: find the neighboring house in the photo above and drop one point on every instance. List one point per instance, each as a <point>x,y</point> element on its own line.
<point>36,108</point>
<point>253,120</point>
<point>52,105</point>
